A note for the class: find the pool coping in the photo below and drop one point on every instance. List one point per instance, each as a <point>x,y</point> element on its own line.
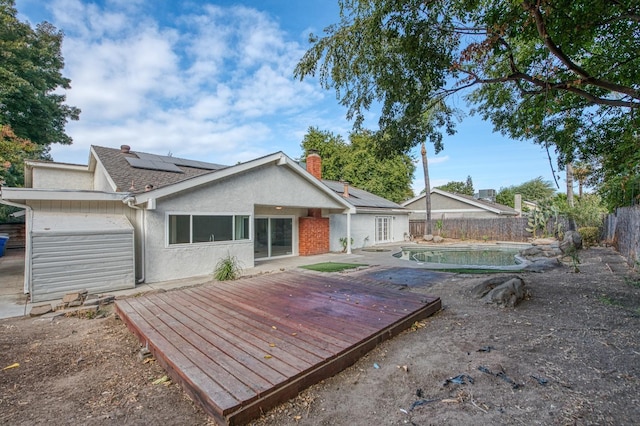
<point>522,262</point>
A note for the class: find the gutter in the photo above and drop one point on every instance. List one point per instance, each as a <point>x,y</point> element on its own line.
<point>27,255</point>
<point>129,201</point>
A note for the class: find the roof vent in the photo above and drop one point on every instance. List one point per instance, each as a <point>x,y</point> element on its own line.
<point>125,149</point>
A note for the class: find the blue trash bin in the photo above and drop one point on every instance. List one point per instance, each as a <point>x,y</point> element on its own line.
<point>3,244</point>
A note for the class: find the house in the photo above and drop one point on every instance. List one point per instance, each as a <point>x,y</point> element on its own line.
<point>129,217</point>
<point>453,206</point>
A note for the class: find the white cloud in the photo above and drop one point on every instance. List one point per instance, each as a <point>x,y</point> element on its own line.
<point>213,83</point>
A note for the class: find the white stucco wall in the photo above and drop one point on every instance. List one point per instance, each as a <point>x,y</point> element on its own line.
<point>101,182</point>
<point>363,228</point>
<point>50,178</point>
<point>265,188</point>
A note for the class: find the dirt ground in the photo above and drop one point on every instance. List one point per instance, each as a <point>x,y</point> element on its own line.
<point>568,355</point>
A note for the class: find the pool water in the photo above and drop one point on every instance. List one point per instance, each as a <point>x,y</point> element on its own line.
<point>468,256</point>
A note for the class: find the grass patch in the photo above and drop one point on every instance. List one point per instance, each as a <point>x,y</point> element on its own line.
<point>606,300</point>
<point>332,266</point>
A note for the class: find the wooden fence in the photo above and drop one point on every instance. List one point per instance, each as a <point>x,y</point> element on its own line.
<point>622,228</point>
<point>499,229</point>
<point>16,233</point>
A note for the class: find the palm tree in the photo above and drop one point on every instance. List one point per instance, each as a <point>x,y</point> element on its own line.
<point>427,190</point>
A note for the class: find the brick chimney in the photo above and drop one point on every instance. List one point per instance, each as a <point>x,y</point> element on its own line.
<point>314,164</point>
<point>125,149</point>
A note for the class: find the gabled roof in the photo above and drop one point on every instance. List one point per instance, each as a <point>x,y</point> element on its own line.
<point>138,169</point>
<point>278,158</point>
<point>361,198</point>
<point>496,208</point>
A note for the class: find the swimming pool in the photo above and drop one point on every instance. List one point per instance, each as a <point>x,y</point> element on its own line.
<point>469,256</point>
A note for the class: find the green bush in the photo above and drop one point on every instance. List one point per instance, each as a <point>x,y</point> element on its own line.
<point>590,235</point>
<point>227,268</point>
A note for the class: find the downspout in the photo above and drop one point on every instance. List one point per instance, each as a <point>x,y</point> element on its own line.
<point>349,232</point>
<point>129,202</point>
<point>27,253</point>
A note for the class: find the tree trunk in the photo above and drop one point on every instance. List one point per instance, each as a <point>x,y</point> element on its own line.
<point>572,222</point>
<point>569,167</point>
<point>427,190</point>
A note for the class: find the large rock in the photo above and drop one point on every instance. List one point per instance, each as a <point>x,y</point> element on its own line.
<point>505,291</point>
<point>572,241</point>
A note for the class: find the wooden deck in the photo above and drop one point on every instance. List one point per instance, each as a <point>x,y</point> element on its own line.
<point>239,348</point>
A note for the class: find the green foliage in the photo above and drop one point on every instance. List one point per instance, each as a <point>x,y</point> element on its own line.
<point>332,266</point>
<point>31,102</point>
<point>572,253</point>
<point>542,71</point>
<point>539,218</point>
<point>227,268</point>
<point>590,235</point>
<point>13,152</point>
<point>464,188</point>
<point>356,163</point>
<point>532,190</point>
<point>343,243</point>
<point>588,211</point>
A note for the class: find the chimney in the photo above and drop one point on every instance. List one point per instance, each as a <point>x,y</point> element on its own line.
<point>345,193</point>
<point>314,164</point>
<point>517,203</point>
<point>125,149</point>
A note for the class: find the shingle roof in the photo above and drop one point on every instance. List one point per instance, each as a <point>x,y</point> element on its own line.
<point>361,198</point>
<point>121,167</point>
<point>501,207</point>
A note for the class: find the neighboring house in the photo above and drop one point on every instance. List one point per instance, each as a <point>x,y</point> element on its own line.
<point>129,217</point>
<point>453,206</point>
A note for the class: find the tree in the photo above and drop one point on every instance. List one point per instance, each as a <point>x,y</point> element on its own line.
<point>464,188</point>
<point>533,190</point>
<point>561,73</point>
<point>31,82</point>
<point>355,162</point>
<point>13,152</point>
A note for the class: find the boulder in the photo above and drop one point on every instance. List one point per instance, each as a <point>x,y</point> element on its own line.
<point>428,237</point>
<point>438,239</point>
<point>572,241</point>
<point>505,291</point>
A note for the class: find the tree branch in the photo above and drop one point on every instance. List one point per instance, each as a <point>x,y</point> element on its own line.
<point>558,53</point>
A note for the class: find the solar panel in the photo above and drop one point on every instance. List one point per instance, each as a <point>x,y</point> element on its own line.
<point>141,163</point>
<point>180,161</point>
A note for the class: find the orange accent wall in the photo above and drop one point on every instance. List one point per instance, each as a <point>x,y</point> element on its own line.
<point>313,235</point>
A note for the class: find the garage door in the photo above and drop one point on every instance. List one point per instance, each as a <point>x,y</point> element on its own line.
<point>71,252</point>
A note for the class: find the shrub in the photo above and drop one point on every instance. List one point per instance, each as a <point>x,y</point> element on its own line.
<point>590,235</point>
<point>227,268</point>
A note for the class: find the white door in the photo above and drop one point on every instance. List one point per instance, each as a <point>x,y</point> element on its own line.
<point>383,229</point>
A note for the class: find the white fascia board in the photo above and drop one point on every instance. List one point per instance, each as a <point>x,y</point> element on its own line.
<point>25,194</point>
<point>278,158</point>
<point>53,165</point>
<point>382,210</point>
<point>96,160</point>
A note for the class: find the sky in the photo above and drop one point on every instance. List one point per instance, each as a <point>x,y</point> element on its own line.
<point>213,81</point>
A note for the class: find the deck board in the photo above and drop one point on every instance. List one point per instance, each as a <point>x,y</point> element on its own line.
<point>241,347</point>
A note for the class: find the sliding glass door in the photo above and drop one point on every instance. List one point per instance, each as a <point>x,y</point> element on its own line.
<point>273,237</point>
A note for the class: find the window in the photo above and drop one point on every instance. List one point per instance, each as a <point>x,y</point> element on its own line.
<point>185,229</point>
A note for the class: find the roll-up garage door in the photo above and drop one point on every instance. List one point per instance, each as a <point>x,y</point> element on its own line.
<point>71,252</point>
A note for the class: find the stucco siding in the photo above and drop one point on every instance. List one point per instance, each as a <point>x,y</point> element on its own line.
<point>48,178</point>
<point>102,183</point>
<point>363,229</point>
<point>266,187</point>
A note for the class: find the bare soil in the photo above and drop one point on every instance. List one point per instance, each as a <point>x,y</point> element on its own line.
<point>568,355</point>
